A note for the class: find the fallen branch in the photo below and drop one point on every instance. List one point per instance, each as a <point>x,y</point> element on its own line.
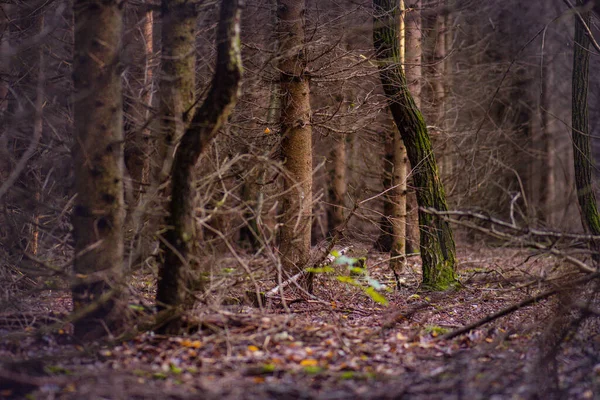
<point>517,306</point>
<point>550,248</point>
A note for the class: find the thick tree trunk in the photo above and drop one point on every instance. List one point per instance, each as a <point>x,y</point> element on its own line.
<point>98,158</point>
<point>181,236</point>
<point>580,131</point>
<point>437,243</point>
<point>296,147</point>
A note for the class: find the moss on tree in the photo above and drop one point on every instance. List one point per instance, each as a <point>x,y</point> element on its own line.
<point>437,243</point>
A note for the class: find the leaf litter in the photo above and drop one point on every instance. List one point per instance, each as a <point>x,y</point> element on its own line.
<point>345,345</point>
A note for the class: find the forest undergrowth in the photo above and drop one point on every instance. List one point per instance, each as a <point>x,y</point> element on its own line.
<point>339,344</point>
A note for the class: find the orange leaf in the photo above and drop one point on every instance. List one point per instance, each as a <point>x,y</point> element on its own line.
<point>309,362</point>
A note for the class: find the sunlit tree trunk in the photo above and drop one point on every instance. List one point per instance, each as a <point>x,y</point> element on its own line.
<point>399,172</point>
<point>98,213</point>
<point>437,243</point>
<point>413,70</point>
<point>580,131</point>
<point>181,236</point>
<point>296,147</point>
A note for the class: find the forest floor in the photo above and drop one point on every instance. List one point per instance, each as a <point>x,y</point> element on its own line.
<point>342,345</point>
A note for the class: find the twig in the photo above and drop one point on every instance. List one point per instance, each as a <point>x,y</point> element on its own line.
<point>328,259</point>
<point>517,306</point>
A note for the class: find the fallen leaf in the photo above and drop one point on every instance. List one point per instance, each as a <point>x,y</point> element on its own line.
<point>309,362</point>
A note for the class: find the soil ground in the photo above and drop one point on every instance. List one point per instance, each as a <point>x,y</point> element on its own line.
<point>339,345</point>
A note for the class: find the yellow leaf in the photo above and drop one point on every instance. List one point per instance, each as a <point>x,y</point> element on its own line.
<point>309,362</point>
<point>489,340</point>
<point>252,348</point>
<point>195,344</point>
<point>400,336</point>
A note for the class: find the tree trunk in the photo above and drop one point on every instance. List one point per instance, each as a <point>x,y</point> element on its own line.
<point>437,243</point>
<point>399,176</point>
<point>98,158</point>
<point>296,146</point>
<point>181,236</point>
<point>580,131</point>
<point>413,69</point>
<point>177,84</point>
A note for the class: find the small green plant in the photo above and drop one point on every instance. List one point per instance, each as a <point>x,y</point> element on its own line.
<point>358,276</point>
<point>436,331</point>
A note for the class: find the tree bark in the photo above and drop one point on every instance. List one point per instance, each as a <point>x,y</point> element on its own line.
<point>98,158</point>
<point>181,235</point>
<point>296,146</point>
<point>580,132</point>
<point>177,84</point>
<point>437,243</point>
<point>413,69</point>
<point>399,174</point>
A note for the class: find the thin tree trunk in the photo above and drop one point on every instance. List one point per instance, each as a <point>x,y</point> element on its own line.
<point>580,132</point>
<point>296,147</point>
<point>398,192</point>
<point>98,157</point>
<point>437,243</point>
<point>413,70</point>
<point>177,78</point>
<point>181,235</point>
<point>137,158</point>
